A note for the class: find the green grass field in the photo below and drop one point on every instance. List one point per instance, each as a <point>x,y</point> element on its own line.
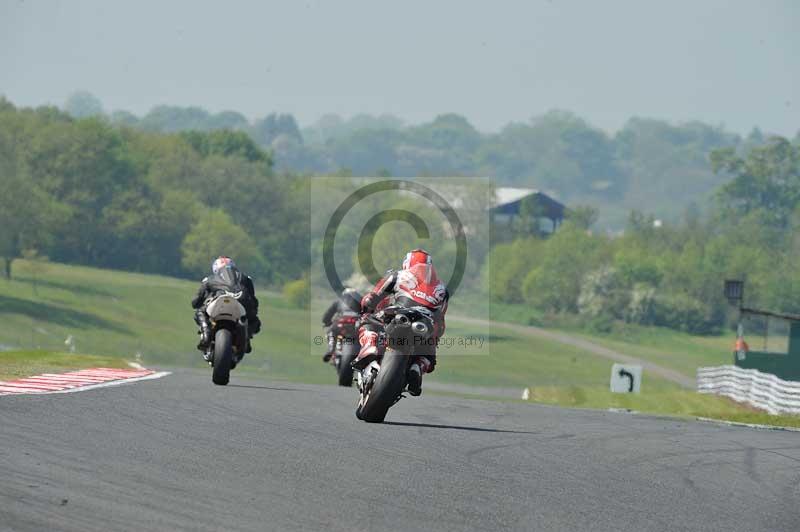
<point>515,361</point>
<point>669,348</point>
<point>668,402</point>
<point>118,316</point>
<point>138,317</point>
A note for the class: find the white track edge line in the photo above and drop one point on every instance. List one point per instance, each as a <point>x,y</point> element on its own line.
<point>756,426</point>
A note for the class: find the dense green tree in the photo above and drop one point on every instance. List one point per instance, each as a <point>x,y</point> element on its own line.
<point>554,283</point>
<point>228,120</point>
<point>226,143</point>
<point>670,274</point>
<point>124,118</point>
<point>667,165</point>
<point>28,215</point>
<point>83,104</point>
<point>768,178</point>
<point>266,130</point>
<point>216,234</point>
<point>170,119</point>
<point>556,151</point>
<point>508,264</point>
<point>365,152</point>
<point>332,126</point>
<point>127,198</point>
<point>396,235</point>
<point>82,165</point>
<point>649,164</point>
<point>113,193</point>
<point>583,216</point>
<point>448,131</point>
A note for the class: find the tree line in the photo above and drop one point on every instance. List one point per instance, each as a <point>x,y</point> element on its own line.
<point>165,199</point>
<point>649,164</point>
<point>671,274</point>
<point>85,191</point>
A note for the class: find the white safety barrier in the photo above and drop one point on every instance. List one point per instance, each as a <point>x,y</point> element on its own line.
<point>761,390</point>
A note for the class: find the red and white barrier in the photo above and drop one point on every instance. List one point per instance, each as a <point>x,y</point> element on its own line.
<point>74,381</point>
<point>762,390</point>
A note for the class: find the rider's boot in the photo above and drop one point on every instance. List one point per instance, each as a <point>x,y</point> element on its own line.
<point>205,330</point>
<point>205,339</point>
<point>369,349</point>
<point>414,376</point>
<point>331,347</point>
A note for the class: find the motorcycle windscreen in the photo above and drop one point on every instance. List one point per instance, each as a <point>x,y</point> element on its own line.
<point>228,279</point>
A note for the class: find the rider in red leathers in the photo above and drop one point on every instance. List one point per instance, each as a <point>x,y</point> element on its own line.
<point>415,285</point>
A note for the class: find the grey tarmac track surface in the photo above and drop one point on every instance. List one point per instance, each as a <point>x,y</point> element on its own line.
<point>181,454</point>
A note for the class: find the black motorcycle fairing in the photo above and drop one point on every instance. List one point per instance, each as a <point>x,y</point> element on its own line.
<point>225,280</point>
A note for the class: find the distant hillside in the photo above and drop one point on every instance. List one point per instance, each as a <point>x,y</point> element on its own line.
<point>649,165</point>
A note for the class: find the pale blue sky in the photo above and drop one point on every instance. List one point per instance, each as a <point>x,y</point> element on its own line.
<point>724,62</point>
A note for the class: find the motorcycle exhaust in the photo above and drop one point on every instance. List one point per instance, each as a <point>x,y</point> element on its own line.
<point>401,319</point>
<point>419,328</point>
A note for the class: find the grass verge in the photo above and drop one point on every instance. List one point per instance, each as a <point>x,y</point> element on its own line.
<point>668,402</point>
<point>18,364</point>
<point>666,347</point>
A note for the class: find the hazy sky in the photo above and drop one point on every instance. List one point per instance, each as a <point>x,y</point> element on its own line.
<point>725,62</point>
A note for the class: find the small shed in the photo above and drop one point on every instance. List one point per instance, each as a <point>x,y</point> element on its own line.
<point>773,343</point>
<point>511,203</point>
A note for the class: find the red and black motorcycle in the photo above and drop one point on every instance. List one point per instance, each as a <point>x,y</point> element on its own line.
<point>347,347</point>
<point>382,383</point>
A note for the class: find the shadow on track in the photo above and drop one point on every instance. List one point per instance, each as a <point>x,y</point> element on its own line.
<point>265,387</point>
<point>453,427</point>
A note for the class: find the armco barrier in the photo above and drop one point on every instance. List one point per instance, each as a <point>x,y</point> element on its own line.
<point>762,390</point>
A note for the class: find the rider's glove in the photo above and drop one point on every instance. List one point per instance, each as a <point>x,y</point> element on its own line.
<point>368,304</point>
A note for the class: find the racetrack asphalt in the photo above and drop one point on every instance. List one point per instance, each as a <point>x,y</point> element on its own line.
<point>179,453</point>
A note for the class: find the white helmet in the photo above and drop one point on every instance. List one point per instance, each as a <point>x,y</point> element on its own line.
<point>222,262</point>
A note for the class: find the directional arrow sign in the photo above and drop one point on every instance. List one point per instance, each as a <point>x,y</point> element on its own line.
<point>627,375</point>
<point>626,378</point>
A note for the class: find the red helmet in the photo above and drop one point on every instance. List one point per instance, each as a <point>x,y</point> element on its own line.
<point>420,263</point>
<point>416,256</point>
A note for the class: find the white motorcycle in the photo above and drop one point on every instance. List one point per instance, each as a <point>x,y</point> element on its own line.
<point>229,333</point>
